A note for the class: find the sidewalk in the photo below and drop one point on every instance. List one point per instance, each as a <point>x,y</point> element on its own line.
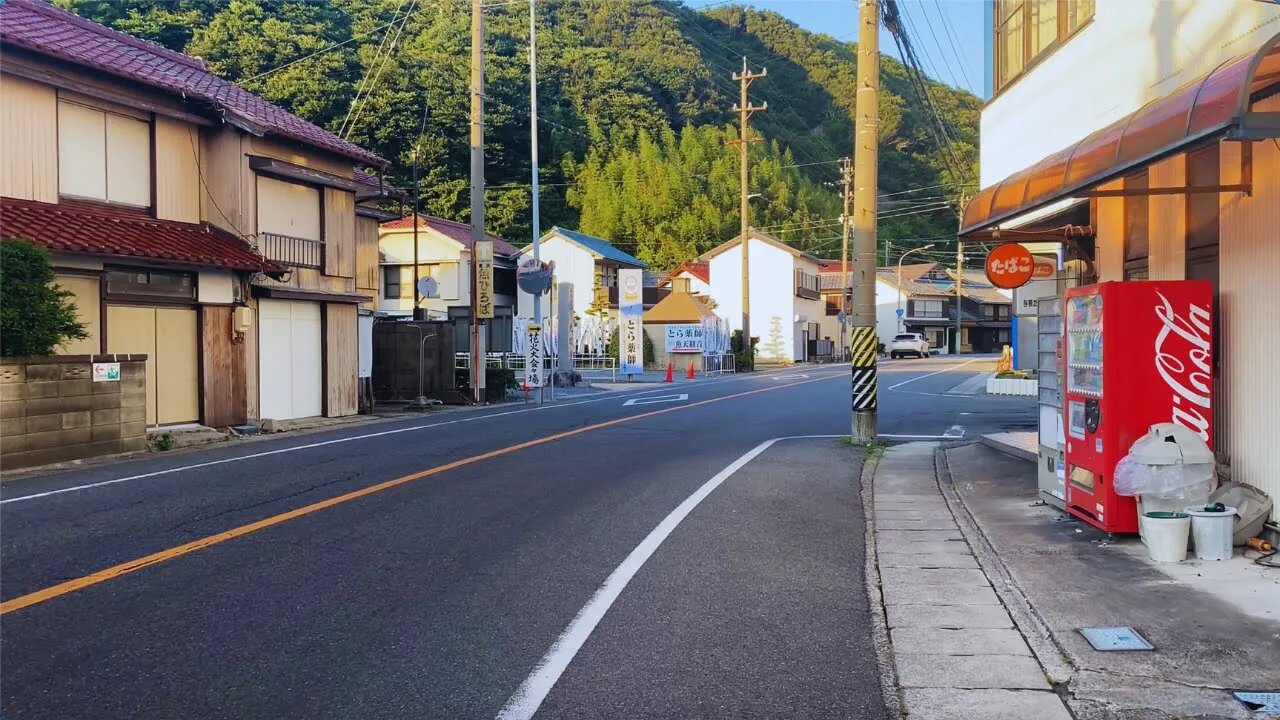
<point>956,651</point>
<point>1215,626</point>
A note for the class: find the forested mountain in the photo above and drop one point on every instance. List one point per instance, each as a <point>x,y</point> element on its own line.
<point>635,102</point>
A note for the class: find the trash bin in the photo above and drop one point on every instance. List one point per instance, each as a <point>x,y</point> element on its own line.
<point>1167,535</point>
<point>1212,532</point>
<point>1166,469</point>
<point>1252,508</point>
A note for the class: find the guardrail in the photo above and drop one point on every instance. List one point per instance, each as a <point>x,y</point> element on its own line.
<point>289,250</point>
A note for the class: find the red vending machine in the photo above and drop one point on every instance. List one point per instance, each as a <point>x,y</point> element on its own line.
<point>1138,353</point>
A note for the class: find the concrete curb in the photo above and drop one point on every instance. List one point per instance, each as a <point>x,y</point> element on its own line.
<point>875,595</point>
<point>1044,646</point>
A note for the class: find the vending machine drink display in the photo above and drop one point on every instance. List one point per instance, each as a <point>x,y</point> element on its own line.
<point>1138,353</point>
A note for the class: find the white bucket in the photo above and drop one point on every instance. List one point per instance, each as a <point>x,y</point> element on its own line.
<point>1212,531</point>
<point>1167,534</point>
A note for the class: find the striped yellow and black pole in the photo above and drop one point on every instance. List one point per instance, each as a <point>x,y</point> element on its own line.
<point>862,353</point>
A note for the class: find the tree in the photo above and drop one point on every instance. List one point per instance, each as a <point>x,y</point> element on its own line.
<point>776,348</point>
<point>36,316</point>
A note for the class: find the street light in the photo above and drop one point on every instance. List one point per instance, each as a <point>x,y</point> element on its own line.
<point>901,322</point>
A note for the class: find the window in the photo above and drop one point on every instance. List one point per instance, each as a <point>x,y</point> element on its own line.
<point>1202,208</point>
<point>398,281</point>
<point>290,209</point>
<point>833,304</point>
<point>151,283</point>
<point>1137,239</point>
<point>391,285</point>
<point>995,312</point>
<point>103,155</point>
<point>1026,30</point>
<point>927,308</point>
<point>807,284</point>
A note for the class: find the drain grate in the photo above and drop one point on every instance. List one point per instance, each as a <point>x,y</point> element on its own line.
<point>1268,702</point>
<point>1109,639</point>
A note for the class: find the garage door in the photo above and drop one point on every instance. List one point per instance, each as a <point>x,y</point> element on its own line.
<point>290,373</point>
<point>168,337</point>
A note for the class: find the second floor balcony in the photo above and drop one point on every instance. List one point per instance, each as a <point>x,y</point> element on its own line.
<point>292,251</point>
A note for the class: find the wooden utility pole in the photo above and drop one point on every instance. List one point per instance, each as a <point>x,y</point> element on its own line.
<point>745,109</point>
<point>477,188</point>
<point>862,343</point>
<point>846,292</point>
<point>959,292</point>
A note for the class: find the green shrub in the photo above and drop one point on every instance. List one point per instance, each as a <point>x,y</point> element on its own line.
<point>612,351</point>
<point>744,360</point>
<point>36,316</point>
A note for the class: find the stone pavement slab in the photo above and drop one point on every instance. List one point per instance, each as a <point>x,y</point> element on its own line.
<point>970,672</point>
<point>967,641</point>
<point>948,616</point>
<point>903,537</point>
<point>953,577</point>
<point>940,524</point>
<point>949,704</point>
<point>938,595</point>
<point>893,558</point>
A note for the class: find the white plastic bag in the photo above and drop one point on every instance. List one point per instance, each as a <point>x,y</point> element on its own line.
<point>1132,477</point>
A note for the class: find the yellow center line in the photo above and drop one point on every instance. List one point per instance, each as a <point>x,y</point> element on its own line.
<point>131,566</point>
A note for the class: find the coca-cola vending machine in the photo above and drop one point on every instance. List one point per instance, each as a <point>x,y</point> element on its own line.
<point>1138,353</point>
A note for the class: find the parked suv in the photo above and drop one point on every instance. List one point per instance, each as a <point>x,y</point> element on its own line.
<point>909,344</point>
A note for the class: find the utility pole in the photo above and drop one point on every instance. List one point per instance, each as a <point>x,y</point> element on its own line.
<point>862,344</point>
<point>745,109</point>
<point>533,153</point>
<point>846,292</point>
<point>477,188</point>
<point>959,292</point>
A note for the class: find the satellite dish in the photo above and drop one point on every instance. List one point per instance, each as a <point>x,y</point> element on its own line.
<point>428,287</point>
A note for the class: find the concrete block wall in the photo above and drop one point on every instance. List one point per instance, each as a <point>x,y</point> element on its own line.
<point>52,411</point>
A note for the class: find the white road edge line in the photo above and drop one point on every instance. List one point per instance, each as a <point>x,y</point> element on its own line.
<point>609,395</point>
<point>529,696</point>
<point>939,372</point>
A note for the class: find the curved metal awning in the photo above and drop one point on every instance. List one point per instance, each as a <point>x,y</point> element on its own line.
<point>1216,104</point>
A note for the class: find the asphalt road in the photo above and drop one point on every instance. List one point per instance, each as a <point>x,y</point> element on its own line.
<point>591,559</point>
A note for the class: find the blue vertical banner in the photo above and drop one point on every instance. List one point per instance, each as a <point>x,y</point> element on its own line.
<point>630,322</point>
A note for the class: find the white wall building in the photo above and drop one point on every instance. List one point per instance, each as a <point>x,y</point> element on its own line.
<point>579,259</point>
<point>786,305</point>
<point>1133,95</point>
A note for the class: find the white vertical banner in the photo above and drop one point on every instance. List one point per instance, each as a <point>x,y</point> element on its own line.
<point>533,356</point>
<point>630,322</point>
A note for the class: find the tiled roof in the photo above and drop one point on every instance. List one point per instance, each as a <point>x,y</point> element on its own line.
<point>79,228</point>
<point>598,246</point>
<point>459,232</point>
<point>42,28</point>
<point>700,269</point>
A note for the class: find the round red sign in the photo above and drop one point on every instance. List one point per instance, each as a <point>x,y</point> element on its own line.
<point>1010,266</point>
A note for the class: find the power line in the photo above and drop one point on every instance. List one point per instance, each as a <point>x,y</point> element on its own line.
<point>955,49</point>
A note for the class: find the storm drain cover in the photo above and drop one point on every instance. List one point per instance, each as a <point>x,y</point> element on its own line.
<point>1268,702</point>
<point>1109,639</point>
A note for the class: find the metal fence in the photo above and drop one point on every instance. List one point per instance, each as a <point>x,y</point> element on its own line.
<point>719,364</point>
<point>289,250</point>
<point>600,367</point>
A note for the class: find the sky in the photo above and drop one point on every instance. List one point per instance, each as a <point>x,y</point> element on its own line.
<point>948,35</point>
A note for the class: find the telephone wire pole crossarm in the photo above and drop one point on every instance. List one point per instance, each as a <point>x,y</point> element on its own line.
<point>745,110</point>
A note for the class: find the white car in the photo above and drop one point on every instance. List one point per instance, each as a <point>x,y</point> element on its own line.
<point>909,344</point>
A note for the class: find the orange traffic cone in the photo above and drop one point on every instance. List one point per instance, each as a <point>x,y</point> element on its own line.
<point>671,370</point>
<point>689,375</point>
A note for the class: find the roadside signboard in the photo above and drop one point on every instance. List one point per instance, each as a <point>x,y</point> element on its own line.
<point>106,372</point>
<point>1010,266</point>
<point>630,321</point>
<point>533,356</point>
<point>484,279</point>
<point>685,339</point>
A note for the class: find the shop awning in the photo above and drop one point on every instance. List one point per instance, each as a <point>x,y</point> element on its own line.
<point>1215,105</point>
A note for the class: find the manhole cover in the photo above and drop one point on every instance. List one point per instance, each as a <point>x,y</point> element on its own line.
<point>1260,701</point>
<point>1108,639</point>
